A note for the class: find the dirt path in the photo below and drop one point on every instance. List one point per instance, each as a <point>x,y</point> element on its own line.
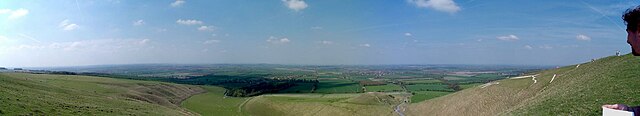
<point>400,108</point>
<point>245,102</point>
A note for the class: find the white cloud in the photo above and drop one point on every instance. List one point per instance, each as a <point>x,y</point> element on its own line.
<point>206,28</point>
<point>326,42</point>
<point>67,26</point>
<point>508,38</point>
<point>14,14</point>
<point>365,45</point>
<point>275,40</point>
<point>4,11</point>
<point>177,3</point>
<point>211,41</point>
<point>189,22</point>
<point>448,6</point>
<point>295,5</point>
<point>408,34</point>
<point>583,37</point>
<point>528,47</point>
<point>144,41</point>
<point>138,23</point>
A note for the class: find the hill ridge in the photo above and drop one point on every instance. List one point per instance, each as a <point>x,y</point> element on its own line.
<point>576,90</point>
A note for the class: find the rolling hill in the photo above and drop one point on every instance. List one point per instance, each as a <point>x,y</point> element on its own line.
<point>45,94</point>
<point>365,104</point>
<point>576,90</point>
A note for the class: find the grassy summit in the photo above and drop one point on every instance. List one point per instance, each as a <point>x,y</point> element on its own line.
<point>575,91</point>
<point>42,94</point>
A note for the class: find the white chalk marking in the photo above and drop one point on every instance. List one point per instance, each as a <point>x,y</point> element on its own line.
<point>489,84</point>
<point>534,79</point>
<point>554,77</point>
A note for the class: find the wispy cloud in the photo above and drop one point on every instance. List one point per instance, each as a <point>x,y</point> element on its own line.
<point>189,22</point>
<point>275,40</point>
<point>408,34</point>
<point>508,38</point>
<point>68,26</point>
<point>138,22</point>
<point>295,5</point>
<point>365,45</point>
<point>29,37</point>
<point>211,41</point>
<point>545,47</point>
<point>448,6</point>
<point>583,37</point>
<point>325,42</point>
<point>177,3</point>
<point>206,28</point>
<point>528,47</point>
<point>14,14</point>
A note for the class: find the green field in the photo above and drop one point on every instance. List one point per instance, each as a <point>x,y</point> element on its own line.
<point>419,96</point>
<point>575,91</point>
<point>43,94</point>
<point>428,87</point>
<point>422,81</point>
<point>213,102</point>
<point>384,88</point>
<point>338,86</point>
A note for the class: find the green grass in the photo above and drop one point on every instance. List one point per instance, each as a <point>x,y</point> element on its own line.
<point>365,104</point>
<point>213,103</point>
<point>575,91</point>
<point>467,86</point>
<point>338,86</point>
<point>383,88</point>
<point>41,94</point>
<point>419,96</point>
<point>428,87</point>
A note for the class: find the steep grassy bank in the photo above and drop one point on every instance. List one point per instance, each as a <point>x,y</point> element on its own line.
<point>42,94</point>
<point>576,90</point>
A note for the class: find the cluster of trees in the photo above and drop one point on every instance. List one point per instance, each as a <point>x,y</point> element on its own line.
<point>242,86</point>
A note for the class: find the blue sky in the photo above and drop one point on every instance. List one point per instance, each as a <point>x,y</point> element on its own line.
<point>93,32</point>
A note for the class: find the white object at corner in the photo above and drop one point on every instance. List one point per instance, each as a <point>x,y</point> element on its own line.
<point>614,112</point>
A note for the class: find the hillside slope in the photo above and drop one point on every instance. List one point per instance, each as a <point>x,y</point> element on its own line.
<point>364,104</point>
<point>576,90</point>
<point>42,94</point>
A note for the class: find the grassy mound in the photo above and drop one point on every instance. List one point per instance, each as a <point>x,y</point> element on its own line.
<point>574,91</point>
<point>320,104</point>
<point>41,94</point>
<point>214,103</point>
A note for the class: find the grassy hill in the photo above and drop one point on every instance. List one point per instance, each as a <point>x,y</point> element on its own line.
<point>213,103</point>
<point>42,94</point>
<point>366,104</point>
<point>574,91</point>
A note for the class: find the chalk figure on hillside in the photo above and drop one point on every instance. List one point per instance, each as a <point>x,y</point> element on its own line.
<point>631,18</point>
<point>534,79</point>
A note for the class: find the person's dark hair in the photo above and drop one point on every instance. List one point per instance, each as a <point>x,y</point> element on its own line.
<point>631,18</point>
